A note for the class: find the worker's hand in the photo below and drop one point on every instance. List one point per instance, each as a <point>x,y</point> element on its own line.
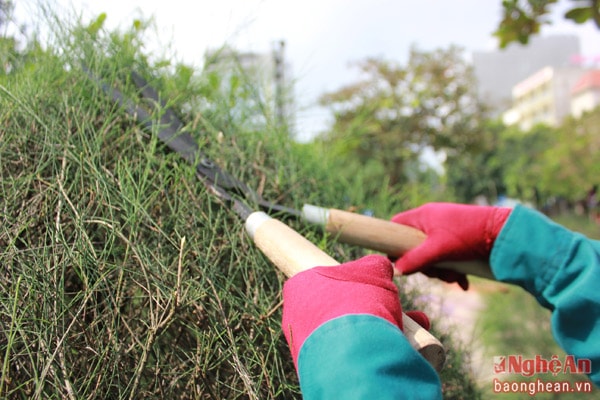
<point>320,294</point>
<point>455,232</point>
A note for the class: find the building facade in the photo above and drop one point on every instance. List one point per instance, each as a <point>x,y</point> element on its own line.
<point>543,98</point>
<point>585,95</point>
<point>498,71</point>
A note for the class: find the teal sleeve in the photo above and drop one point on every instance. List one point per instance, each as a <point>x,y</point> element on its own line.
<point>361,356</point>
<point>562,270</point>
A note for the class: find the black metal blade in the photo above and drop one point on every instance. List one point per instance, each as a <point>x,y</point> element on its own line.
<point>170,132</point>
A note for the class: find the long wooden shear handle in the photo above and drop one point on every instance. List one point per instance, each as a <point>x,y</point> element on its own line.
<point>384,236</point>
<point>292,253</point>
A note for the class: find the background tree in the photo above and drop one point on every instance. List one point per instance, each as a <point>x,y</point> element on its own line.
<point>510,162</point>
<point>534,166</point>
<point>569,167</point>
<point>523,18</point>
<point>393,113</point>
<point>480,172</point>
<point>521,155</point>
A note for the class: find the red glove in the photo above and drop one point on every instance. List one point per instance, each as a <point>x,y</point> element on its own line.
<point>320,294</point>
<point>455,232</point>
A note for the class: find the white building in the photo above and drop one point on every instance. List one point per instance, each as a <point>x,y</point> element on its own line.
<point>585,95</point>
<point>499,70</point>
<point>544,97</point>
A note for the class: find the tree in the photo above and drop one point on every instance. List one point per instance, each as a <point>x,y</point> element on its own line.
<point>524,18</point>
<point>521,155</point>
<point>395,112</point>
<point>569,167</point>
<point>511,162</point>
<point>480,172</point>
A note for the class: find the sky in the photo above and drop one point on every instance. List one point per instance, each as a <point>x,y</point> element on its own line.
<point>323,37</point>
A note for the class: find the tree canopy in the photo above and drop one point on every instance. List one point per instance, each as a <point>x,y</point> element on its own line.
<point>537,166</point>
<point>395,112</point>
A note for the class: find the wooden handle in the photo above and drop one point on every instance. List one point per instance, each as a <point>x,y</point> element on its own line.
<point>384,236</point>
<point>292,253</point>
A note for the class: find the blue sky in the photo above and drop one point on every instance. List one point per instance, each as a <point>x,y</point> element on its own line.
<point>322,36</point>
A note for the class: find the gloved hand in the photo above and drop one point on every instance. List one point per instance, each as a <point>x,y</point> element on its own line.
<point>317,295</point>
<point>455,232</point>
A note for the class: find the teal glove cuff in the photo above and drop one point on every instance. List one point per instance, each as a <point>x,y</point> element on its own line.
<point>363,357</point>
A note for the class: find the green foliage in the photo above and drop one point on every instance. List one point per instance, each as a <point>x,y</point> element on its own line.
<point>568,168</point>
<point>522,155</point>
<point>384,121</point>
<point>94,27</point>
<point>480,172</point>
<point>524,18</point>
<point>521,19</point>
<point>580,15</point>
<point>534,166</point>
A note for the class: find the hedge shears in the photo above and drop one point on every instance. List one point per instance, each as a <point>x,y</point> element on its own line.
<point>285,247</point>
